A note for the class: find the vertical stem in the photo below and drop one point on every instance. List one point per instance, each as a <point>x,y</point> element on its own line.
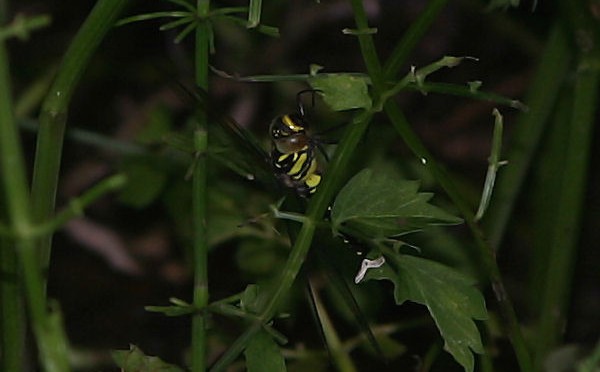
<point>53,116</point>
<point>367,48</point>
<point>340,356</point>
<point>199,195</point>
<point>48,336</point>
<point>412,36</point>
<point>562,250</point>
<point>529,128</point>
<point>12,321</point>
<point>563,247</point>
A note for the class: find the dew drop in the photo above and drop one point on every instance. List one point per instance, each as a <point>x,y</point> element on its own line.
<point>250,177</point>
<point>423,161</point>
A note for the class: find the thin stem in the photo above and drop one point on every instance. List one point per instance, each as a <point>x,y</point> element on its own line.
<point>49,339</point>
<point>12,320</point>
<point>200,195</point>
<point>77,205</point>
<point>494,163</point>
<point>367,48</point>
<point>53,115</point>
<point>412,36</point>
<point>529,128</point>
<point>563,246</point>
<point>339,354</point>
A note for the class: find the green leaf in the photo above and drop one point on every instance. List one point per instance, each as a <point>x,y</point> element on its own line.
<point>158,125</point>
<point>249,300</point>
<point>144,182</point>
<point>384,205</point>
<point>134,360</point>
<point>494,164</point>
<point>342,91</point>
<point>178,308</point>
<point>450,297</point>
<point>263,354</point>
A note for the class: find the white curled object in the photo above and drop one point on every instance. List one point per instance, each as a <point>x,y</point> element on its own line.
<point>366,265</point>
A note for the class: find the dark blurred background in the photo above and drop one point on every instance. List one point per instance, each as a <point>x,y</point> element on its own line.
<point>120,257</point>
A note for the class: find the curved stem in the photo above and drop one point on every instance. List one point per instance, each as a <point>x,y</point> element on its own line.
<point>49,338</point>
<point>53,116</point>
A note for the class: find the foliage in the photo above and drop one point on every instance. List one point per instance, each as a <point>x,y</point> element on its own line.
<point>203,182</point>
<point>134,360</point>
<point>384,205</point>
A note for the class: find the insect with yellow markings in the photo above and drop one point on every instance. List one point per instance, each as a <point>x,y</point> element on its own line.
<point>293,153</point>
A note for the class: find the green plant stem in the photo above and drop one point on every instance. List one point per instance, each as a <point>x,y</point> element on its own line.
<point>53,116</point>
<point>339,354</point>
<point>49,341</point>
<point>22,26</point>
<point>467,92</point>
<point>367,48</point>
<point>494,163</point>
<point>12,321</point>
<point>430,357</point>
<point>563,245</point>
<point>412,37</point>
<point>529,128</point>
<point>545,191</point>
<point>75,208</point>
<point>77,205</point>
<point>200,196</point>
<point>486,254</point>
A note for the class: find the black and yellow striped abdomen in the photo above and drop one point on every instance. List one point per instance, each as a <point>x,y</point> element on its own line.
<point>294,154</point>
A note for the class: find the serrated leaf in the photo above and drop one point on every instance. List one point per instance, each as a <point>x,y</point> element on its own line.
<point>384,205</point>
<point>263,354</point>
<point>450,297</point>
<point>134,360</point>
<point>342,91</point>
